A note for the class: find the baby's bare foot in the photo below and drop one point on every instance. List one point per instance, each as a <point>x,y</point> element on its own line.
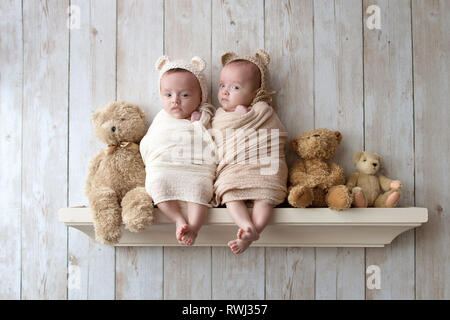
<point>181,229</point>
<point>241,109</point>
<point>238,246</point>
<point>248,234</point>
<point>189,236</point>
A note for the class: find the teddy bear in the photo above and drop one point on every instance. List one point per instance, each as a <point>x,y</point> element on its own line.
<point>115,184</point>
<point>316,181</point>
<point>369,189</point>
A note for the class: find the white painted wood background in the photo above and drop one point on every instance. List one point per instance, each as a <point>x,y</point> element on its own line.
<point>387,91</point>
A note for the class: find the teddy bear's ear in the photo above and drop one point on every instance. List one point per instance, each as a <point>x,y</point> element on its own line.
<point>357,156</point>
<point>338,136</point>
<point>227,56</point>
<point>161,62</point>
<point>198,63</point>
<point>262,56</point>
<point>294,144</point>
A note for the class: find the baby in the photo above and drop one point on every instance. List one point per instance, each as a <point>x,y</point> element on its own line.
<point>174,170</point>
<point>244,97</point>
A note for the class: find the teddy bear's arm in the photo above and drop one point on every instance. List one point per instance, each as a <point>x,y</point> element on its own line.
<point>93,168</point>
<point>336,176</point>
<point>352,180</point>
<point>385,182</point>
<point>297,173</point>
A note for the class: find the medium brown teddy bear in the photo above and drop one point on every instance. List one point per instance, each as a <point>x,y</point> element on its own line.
<point>316,181</point>
<point>369,189</point>
<point>115,185</point>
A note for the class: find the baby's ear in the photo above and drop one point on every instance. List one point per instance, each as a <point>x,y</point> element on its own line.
<point>161,62</point>
<point>262,56</point>
<point>198,63</point>
<point>227,56</point>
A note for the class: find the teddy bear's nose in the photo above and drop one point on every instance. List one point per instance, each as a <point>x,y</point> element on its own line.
<point>316,135</point>
<point>374,164</point>
<point>113,129</point>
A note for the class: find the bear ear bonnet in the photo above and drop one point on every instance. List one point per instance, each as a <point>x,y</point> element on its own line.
<point>262,56</point>
<point>198,63</point>
<point>227,57</point>
<point>161,62</point>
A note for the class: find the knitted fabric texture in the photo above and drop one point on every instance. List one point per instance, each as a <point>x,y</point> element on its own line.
<point>174,169</point>
<point>242,172</point>
<point>195,66</point>
<point>261,59</point>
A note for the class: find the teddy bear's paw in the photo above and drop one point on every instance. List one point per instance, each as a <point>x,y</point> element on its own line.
<point>359,199</point>
<point>339,198</point>
<point>300,197</point>
<point>111,237</point>
<point>392,199</point>
<point>138,222</point>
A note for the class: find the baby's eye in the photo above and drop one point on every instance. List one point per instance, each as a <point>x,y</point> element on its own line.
<point>235,87</point>
<point>168,95</point>
<point>221,86</point>
<point>184,95</point>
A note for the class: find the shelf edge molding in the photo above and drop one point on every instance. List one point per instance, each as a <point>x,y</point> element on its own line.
<point>289,227</point>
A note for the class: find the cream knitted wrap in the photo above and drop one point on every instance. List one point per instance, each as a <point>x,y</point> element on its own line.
<point>179,155</point>
<point>179,159</point>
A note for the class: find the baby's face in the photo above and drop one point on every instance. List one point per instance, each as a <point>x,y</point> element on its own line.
<point>180,93</point>
<point>237,86</point>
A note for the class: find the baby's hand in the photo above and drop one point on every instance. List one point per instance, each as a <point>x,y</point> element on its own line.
<point>195,116</point>
<point>241,109</point>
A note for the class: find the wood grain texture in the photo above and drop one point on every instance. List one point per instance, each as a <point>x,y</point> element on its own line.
<point>11,75</point>
<point>289,40</point>
<point>431,48</point>
<point>92,85</point>
<point>44,167</point>
<point>139,44</point>
<point>338,92</point>
<point>193,265</point>
<point>237,26</point>
<point>389,132</point>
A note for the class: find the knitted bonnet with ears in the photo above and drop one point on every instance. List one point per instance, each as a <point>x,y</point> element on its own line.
<point>195,66</point>
<point>261,59</point>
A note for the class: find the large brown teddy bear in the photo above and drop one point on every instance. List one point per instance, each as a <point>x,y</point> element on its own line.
<point>369,189</point>
<point>115,185</point>
<point>316,181</point>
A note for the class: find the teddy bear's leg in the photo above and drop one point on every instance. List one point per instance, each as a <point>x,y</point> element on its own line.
<point>388,199</point>
<point>319,195</point>
<point>359,198</point>
<point>300,196</point>
<point>339,198</point>
<point>137,209</point>
<point>106,215</point>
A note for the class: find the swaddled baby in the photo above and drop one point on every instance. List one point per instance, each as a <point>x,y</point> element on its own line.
<point>246,131</point>
<point>176,147</point>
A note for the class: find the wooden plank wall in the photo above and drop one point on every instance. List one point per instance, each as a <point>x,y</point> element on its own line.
<point>386,90</point>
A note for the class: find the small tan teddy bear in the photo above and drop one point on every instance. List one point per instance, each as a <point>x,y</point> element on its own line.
<point>367,187</point>
<point>316,181</point>
<point>115,184</point>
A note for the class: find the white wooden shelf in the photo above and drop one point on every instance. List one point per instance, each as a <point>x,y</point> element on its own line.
<point>289,227</point>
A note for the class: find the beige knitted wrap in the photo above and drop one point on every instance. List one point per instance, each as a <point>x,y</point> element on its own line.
<point>245,179</point>
<point>261,59</point>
